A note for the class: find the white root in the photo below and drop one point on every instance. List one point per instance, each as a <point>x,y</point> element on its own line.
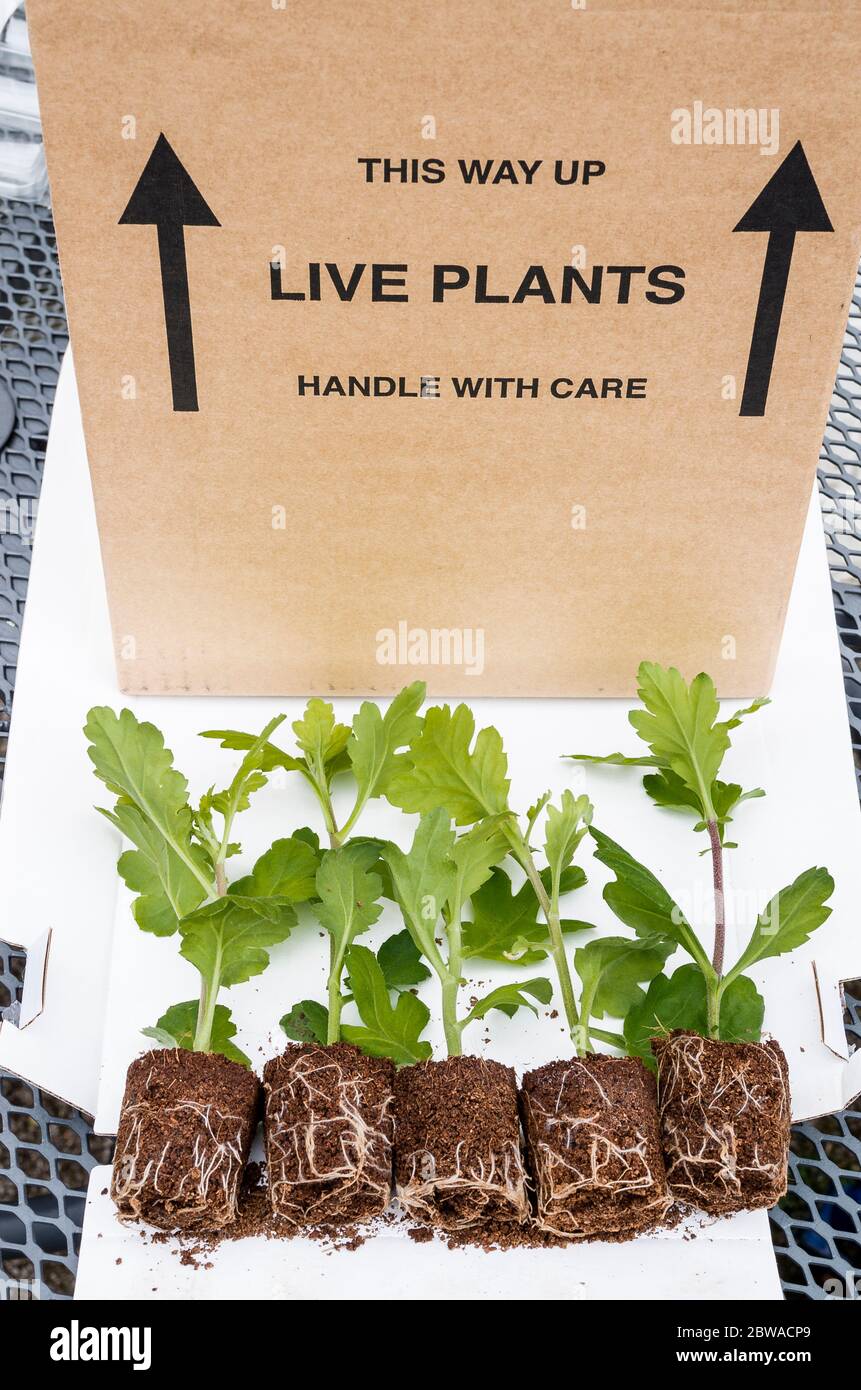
<point>206,1180</point>
<point>586,1162</point>
<point>487,1186</point>
<point>357,1184</point>
<point>706,1165</point>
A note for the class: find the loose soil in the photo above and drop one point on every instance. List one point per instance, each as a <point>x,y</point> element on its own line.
<point>329,1129</point>
<point>593,1147</point>
<point>724,1121</point>
<point>457,1144</point>
<point>185,1131</point>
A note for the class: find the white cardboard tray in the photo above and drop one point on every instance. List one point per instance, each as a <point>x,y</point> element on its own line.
<point>105,979</point>
<point>727,1260</point>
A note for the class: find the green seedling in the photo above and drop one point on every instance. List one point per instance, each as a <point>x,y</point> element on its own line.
<point>432,883</point>
<point>687,742</point>
<point>177,870</point>
<point>371,750</point>
<point>347,893</point>
<point>452,770</point>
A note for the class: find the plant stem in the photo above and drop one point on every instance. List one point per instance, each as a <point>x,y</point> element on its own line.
<point>583,1039</point>
<point>450,986</point>
<point>209,985</point>
<point>451,983</point>
<point>205,1016</point>
<point>523,854</point>
<point>713,986</point>
<point>336,999</point>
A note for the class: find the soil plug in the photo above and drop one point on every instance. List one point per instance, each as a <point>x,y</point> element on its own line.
<point>594,1146</point>
<point>457,1138</point>
<point>725,1116</point>
<point>328,1102</point>
<point>329,1109</point>
<point>186,1126</point>
<point>723,1095</point>
<point>190,1108</point>
<point>595,1168</point>
<point>457,1144</point>
<point>592,1131</point>
<point>329,1129</point>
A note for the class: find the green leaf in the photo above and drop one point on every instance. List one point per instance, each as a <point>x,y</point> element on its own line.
<point>474,855</point>
<point>680,725</point>
<point>788,919</point>
<point>160,1035</point>
<point>238,797</point>
<point>321,738</point>
<point>287,870</point>
<point>423,879</point>
<point>509,998</point>
<point>228,940</point>
<point>736,719</point>
<point>132,761</point>
<point>248,779</point>
<point>271,756</point>
<point>508,926</point>
<point>679,1001</point>
<point>176,1028</point>
<point>666,788</point>
<point>369,851</point>
<point>307,1021</point>
<point>171,872</point>
<point>613,968</point>
<point>376,740</point>
<point>534,812</point>
<point>640,901</point>
<point>565,827</point>
<point>727,795</point>
<point>348,895</point>
<point>167,887</point>
<point>616,759</point>
<point>741,1012</point>
<point>446,770</point>
<point>400,961</point>
<point>387,1032</point>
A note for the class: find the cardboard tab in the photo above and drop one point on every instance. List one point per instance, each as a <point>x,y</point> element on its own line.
<point>23,1010</point>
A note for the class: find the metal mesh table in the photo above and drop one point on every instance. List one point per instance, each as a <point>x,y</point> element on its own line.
<point>46,1148</point>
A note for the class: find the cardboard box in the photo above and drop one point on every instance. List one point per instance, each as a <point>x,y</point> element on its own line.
<point>105,979</point>
<point>653,205</point>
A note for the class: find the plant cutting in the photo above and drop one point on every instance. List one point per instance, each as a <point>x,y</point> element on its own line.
<point>371,752</point>
<point>329,1107</point>
<point>328,1119</point>
<point>190,1106</point>
<point>723,1094</point>
<point>591,1122</point>
<point>457,1137</point>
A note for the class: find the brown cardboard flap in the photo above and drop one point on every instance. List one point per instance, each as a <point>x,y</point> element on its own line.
<point>649,338</point>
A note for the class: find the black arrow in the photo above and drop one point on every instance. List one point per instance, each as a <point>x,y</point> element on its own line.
<point>789,203</point>
<point>166,197</point>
